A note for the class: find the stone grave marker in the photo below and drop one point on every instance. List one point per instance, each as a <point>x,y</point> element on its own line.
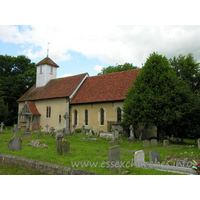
<point>154,142</point>
<point>198,142</point>
<point>59,135</point>
<point>90,132</point>
<point>116,133</point>
<point>113,135</point>
<point>47,132</point>
<point>26,136</point>
<point>139,159</point>
<point>140,138</point>
<point>165,142</point>
<point>2,124</point>
<point>145,143</point>
<point>52,131</point>
<point>131,138</point>
<point>83,130</point>
<point>15,143</point>
<point>74,131</point>
<point>154,157</point>
<point>114,158</point>
<point>65,147</point>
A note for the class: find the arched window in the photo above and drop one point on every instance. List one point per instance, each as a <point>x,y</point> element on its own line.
<point>102,116</point>
<point>86,117</point>
<point>119,115</point>
<point>75,117</point>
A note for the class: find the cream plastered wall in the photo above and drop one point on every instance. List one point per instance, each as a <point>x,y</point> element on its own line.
<point>58,107</point>
<point>110,114</point>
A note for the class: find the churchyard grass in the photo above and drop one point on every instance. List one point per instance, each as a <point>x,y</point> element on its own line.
<point>90,151</point>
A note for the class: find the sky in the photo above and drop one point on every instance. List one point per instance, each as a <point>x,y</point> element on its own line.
<point>88,48</point>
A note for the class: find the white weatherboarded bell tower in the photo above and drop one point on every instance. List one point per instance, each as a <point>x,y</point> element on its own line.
<point>46,70</point>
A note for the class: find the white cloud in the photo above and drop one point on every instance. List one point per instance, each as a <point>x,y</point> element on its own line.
<point>98,68</point>
<point>110,44</point>
<point>66,75</point>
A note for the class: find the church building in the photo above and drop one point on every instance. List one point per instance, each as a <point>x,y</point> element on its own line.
<point>75,100</point>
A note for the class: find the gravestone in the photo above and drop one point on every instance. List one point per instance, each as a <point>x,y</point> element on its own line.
<point>139,159</point>
<point>198,142</point>
<point>65,147</point>
<point>145,143</point>
<point>90,132</point>
<point>116,133</point>
<point>154,157</point>
<point>40,135</point>
<point>52,131</point>
<point>113,135</point>
<point>131,138</point>
<point>140,138</point>
<point>165,142</point>
<point>154,142</point>
<point>59,135</point>
<point>114,159</point>
<point>15,143</point>
<point>47,132</point>
<point>74,131</point>
<point>83,130</point>
<point>2,124</point>
<point>26,136</point>
<point>37,144</point>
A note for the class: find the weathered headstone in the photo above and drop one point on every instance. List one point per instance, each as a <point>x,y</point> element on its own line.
<point>52,131</point>
<point>90,132</point>
<point>198,142</point>
<point>116,133</point>
<point>15,143</point>
<point>140,138</point>
<point>145,143</point>
<point>165,142</point>
<point>74,131</point>
<point>154,157</point>
<point>26,136</point>
<point>131,138</point>
<point>65,147</point>
<point>114,159</point>
<point>2,124</point>
<point>154,142</point>
<point>47,132</point>
<point>139,159</point>
<point>83,130</point>
<point>40,135</point>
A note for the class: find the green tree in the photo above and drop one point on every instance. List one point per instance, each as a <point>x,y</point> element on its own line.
<point>117,68</point>
<point>17,75</point>
<point>158,97</point>
<point>188,69</point>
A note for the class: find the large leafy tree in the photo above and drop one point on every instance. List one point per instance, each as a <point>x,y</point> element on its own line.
<point>158,97</point>
<point>117,68</point>
<point>17,75</point>
<point>188,69</point>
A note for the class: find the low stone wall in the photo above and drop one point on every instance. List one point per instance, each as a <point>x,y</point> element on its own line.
<point>40,166</point>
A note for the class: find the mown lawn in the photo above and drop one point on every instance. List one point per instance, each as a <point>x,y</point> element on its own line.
<point>96,153</point>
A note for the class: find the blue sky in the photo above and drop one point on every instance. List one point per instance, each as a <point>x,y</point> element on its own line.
<point>89,48</point>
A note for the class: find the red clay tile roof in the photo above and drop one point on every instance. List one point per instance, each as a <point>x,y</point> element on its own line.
<point>48,61</point>
<point>108,87</point>
<point>33,109</point>
<point>55,88</point>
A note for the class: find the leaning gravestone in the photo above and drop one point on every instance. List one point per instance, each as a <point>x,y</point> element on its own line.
<point>154,157</point>
<point>145,143</point>
<point>140,138</point>
<point>154,142</point>
<point>15,143</point>
<point>139,159</point>
<point>198,141</point>
<point>114,159</point>
<point>25,136</point>
<point>165,142</point>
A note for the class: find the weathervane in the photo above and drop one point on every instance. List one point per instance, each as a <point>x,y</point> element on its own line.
<point>48,49</point>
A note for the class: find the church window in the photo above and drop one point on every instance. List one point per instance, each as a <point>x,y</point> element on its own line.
<point>40,69</point>
<point>48,112</point>
<point>59,118</point>
<point>86,117</point>
<point>75,117</point>
<point>102,116</point>
<point>119,115</point>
